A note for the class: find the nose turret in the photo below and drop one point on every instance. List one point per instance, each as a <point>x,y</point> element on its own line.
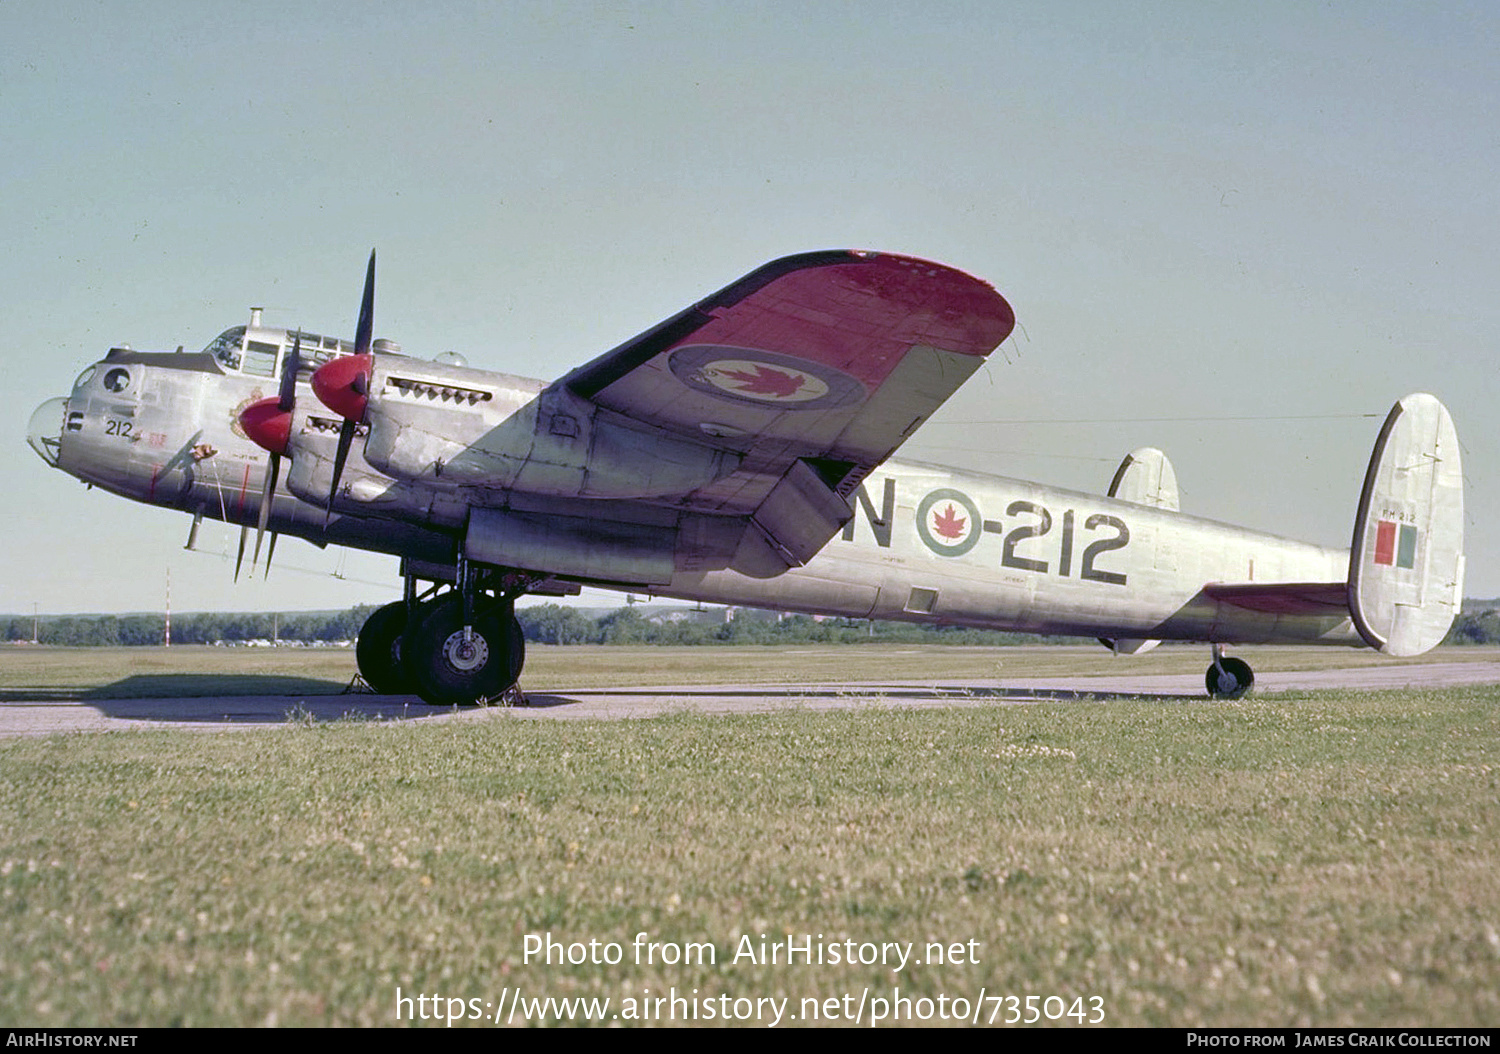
<point>45,429</point>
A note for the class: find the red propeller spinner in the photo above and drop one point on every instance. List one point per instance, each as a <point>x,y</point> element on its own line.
<point>268,425</point>
<point>343,385</point>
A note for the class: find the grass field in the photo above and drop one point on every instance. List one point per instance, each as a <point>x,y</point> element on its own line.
<point>135,673</point>
<point>1298,859</point>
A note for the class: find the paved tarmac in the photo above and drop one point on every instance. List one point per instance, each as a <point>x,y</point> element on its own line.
<point>48,717</point>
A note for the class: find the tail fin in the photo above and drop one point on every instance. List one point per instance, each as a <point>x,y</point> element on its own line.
<point>1406,565</point>
<point>1145,477</point>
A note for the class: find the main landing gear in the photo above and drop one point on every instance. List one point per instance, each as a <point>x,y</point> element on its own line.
<point>453,648</point>
<point>1228,678</point>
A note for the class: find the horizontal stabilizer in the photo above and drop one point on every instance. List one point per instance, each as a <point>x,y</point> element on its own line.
<point>1284,598</point>
<point>1406,567</point>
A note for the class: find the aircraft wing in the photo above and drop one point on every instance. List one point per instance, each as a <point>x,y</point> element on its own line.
<point>811,370</point>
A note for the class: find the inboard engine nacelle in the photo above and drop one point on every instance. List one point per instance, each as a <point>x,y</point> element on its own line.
<point>452,426</point>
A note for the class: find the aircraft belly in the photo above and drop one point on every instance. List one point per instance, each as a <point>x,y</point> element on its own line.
<point>834,587</point>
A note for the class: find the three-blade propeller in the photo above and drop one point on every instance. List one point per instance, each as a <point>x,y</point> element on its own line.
<point>342,384</point>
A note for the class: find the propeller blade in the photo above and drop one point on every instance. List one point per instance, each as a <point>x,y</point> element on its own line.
<point>267,497</point>
<point>343,384</point>
<point>270,553</point>
<point>340,457</point>
<point>287,397</point>
<point>363,334</point>
<point>239,560</point>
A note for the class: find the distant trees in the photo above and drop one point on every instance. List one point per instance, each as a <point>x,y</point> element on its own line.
<point>199,628</point>
<point>555,624</point>
<point>1480,627</point>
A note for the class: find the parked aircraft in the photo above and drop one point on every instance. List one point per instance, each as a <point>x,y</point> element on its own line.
<point>740,452</point>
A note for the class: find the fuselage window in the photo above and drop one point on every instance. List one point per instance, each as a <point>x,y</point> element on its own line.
<point>117,380</point>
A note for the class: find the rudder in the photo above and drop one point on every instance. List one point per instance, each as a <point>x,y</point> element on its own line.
<point>1406,563</point>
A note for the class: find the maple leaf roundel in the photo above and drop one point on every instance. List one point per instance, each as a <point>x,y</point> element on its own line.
<point>948,522</point>
<point>765,378</point>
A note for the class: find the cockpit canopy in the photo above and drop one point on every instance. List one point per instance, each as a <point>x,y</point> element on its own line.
<point>257,352</point>
<point>227,347</point>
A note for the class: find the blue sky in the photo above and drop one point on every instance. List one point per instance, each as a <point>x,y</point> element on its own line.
<point>1282,216</point>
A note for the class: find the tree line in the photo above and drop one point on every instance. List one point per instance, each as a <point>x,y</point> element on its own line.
<point>199,628</point>
<point>555,624</point>
<point>541,624</point>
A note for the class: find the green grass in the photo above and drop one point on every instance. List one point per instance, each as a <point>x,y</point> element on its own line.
<point>31,673</point>
<point>1323,859</point>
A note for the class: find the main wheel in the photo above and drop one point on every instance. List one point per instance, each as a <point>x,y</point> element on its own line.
<point>1236,680</point>
<point>449,668</point>
<point>378,651</point>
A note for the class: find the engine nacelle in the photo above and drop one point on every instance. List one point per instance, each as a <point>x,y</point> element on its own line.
<point>450,426</point>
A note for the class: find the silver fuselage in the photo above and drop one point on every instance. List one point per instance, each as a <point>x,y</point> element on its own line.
<point>925,544</point>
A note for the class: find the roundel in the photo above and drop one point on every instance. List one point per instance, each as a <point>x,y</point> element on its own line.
<point>749,375</point>
<point>948,522</point>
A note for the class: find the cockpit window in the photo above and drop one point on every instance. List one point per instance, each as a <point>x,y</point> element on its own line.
<point>84,377</point>
<point>317,350</point>
<point>260,358</point>
<point>116,380</point>
<point>226,347</point>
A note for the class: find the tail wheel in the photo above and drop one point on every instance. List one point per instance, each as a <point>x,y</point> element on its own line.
<point>378,651</point>
<point>1229,679</point>
<point>452,668</point>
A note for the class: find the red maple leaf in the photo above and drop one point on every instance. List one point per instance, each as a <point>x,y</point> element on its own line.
<point>949,525</point>
<point>766,382</point>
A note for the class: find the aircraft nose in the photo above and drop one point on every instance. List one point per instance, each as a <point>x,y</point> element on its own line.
<point>45,429</point>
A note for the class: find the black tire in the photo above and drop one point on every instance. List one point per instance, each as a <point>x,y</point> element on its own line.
<point>447,671</point>
<point>1239,671</point>
<point>378,651</point>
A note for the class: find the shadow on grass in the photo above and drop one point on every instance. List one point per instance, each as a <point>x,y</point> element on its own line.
<point>177,686</point>
<point>275,710</point>
<point>268,699</point>
<point>258,699</point>
<point>846,696</point>
<point>200,685</point>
